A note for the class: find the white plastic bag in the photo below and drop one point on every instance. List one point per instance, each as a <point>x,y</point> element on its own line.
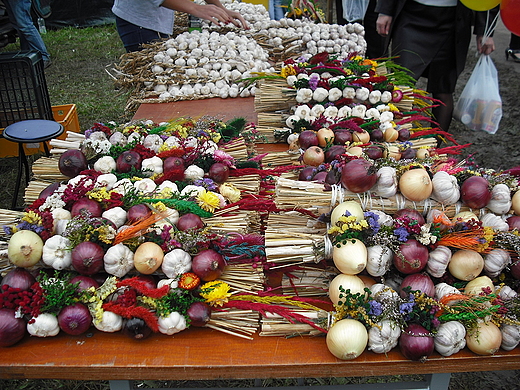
<point>354,10</point>
<point>479,106</point>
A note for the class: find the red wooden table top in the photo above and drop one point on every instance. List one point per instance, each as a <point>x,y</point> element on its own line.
<point>208,354</point>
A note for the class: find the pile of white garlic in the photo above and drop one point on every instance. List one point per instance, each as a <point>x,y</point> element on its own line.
<point>206,64</point>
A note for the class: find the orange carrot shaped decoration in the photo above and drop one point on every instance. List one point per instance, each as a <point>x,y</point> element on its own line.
<point>137,229</point>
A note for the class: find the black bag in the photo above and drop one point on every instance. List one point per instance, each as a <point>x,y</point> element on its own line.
<point>42,8</point>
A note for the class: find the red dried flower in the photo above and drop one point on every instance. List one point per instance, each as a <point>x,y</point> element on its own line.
<point>189,281</point>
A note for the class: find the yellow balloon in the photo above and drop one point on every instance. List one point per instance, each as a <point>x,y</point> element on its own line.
<point>480,5</point>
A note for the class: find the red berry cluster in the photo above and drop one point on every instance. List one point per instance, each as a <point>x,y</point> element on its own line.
<point>29,301</point>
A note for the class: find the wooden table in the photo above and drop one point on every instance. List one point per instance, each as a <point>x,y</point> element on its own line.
<point>203,354</point>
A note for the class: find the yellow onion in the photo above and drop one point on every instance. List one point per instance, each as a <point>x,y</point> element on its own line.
<point>475,286</point>
<point>416,185</point>
<point>347,339</point>
<point>25,248</point>
<point>347,282</point>
<point>466,264</point>
<point>351,206</point>
<point>464,216</point>
<point>484,338</point>
<point>515,202</point>
<point>390,134</point>
<point>148,258</point>
<point>350,258</point>
<point>361,136</point>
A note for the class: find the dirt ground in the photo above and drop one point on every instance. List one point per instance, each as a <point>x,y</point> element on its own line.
<point>498,151</point>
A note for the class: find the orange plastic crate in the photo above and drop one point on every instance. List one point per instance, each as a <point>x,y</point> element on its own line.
<point>65,114</point>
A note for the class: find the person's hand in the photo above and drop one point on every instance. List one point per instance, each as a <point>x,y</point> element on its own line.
<point>217,15</point>
<point>486,47</point>
<point>237,19</point>
<point>383,24</point>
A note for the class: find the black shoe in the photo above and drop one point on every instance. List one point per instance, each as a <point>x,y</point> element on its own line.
<point>515,54</point>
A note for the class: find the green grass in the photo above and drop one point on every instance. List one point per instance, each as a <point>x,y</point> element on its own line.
<point>78,75</point>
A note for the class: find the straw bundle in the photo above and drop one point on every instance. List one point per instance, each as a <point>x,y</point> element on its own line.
<point>286,249</point>
<point>308,280</point>
<point>247,184</point>
<point>290,193</point>
<point>277,159</point>
<point>243,278</point>
<point>276,325</point>
<point>234,221</point>
<point>33,190</point>
<point>274,95</point>
<point>237,148</point>
<point>240,323</point>
<point>9,217</point>
<point>46,169</point>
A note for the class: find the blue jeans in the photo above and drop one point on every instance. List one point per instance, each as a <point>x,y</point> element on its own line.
<point>20,16</point>
<point>134,36</point>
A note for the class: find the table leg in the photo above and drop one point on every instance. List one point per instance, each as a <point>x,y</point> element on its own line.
<point>121,385</point>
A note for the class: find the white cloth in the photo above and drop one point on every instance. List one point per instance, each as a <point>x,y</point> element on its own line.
<point>146,13</point>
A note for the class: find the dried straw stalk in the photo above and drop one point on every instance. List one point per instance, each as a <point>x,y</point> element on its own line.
<point>239,323</point>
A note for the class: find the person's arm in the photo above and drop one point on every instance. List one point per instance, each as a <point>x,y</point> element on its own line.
<point>483,19</point>
<point>386,10</point>
<point>214,12</point>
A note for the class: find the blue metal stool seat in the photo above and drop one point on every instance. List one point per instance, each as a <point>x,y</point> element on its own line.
<point>25,132</point>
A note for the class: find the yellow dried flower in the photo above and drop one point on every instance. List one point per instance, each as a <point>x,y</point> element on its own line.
<point>32,218</point>
<point>216,292</point>
<point>230,192</point>
<point>208,200</point>
<point>99,194</point>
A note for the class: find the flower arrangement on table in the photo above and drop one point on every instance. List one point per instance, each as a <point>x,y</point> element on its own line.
<point>132,213</point>
<point>434,284</point>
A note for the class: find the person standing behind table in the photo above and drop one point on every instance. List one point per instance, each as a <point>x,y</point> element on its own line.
<point>514,48</point>
<point>19,12</point>
<point>375,43</point>
<point>144,21</point>
<point>431,38</point>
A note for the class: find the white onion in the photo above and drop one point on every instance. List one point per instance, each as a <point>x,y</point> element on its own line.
<point>347,339</point>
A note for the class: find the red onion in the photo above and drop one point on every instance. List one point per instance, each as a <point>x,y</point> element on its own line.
<point>320,177</point>
<point>408,154</point>
<point>12,329</point>
<point>418,282</point>
<point>208,265</point>
<point>513,222</point>
<point>136,328</point>
<point>416,343</point>
<point>75,319</point>
<point>19,278</point>
<point>148,280</point>
<point>404,134</point>
<point>308,138</point>
<point>218,172</point>
<point>128,160</point>
<point>138,212</point>
<point>475,192</point>
<point>72,162</point>
<point>373,151</point>
<point>189,221</point>
<point>358,175</point>
<point>410,213</point>
<point>342,136</point>
<point>515,267</point>
<point>199,314</point>
<point>87,258</point>
<point>306,174</point>
<point>333,152</point>
<point>173,162</point>
<point>85,282</point>
<point>49,190</point>
<point>414,257</point>
<point>90,206</point>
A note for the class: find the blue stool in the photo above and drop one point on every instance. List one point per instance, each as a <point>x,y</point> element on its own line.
<point>25,132</point>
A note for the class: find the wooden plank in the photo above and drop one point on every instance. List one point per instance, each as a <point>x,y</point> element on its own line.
<point>203,354</point>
